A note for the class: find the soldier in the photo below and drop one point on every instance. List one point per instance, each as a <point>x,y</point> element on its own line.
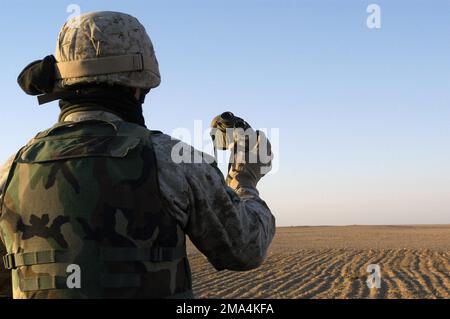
<point>100,191</point>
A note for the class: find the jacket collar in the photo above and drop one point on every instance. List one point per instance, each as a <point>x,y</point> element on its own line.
<point>91,115</point>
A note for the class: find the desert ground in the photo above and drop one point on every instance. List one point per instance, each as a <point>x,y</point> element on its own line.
<point>331,262</point>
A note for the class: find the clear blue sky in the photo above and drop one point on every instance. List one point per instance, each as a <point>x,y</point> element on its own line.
<point>363,114</point>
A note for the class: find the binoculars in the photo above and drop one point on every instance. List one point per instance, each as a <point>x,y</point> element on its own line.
<point>222,129</point>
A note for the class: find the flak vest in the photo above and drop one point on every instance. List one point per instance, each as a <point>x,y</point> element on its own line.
<point>82,217</point>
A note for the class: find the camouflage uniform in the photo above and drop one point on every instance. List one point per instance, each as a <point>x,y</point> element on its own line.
<point>233,231</point>
<point>104,194</point>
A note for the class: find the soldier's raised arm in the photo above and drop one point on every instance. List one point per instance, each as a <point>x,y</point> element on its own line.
<point>228,221</point>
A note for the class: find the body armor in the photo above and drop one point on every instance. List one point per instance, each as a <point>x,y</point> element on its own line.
<point>82,199</point>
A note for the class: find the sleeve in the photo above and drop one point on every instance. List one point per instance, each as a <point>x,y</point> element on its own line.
<point>232,231</point>
<point>5,275</point>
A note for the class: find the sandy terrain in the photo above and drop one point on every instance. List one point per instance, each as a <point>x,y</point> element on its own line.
<point>331,262</point>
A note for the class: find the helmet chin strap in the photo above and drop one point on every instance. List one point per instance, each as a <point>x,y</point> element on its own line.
<point>54,96</point>
<point>140,95</point>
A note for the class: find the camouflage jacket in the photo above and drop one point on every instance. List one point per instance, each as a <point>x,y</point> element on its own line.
<point>231,227</point>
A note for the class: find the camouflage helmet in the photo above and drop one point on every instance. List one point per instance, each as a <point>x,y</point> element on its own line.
<point>106,47</point>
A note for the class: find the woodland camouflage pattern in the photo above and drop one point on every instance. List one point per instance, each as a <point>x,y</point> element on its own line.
<point>103,34</point>
<point>96,184</point>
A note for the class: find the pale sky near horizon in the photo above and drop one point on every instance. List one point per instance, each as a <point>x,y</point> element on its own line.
<point>363,113</point>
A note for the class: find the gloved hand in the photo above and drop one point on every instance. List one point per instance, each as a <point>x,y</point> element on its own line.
<point>251,156</point>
